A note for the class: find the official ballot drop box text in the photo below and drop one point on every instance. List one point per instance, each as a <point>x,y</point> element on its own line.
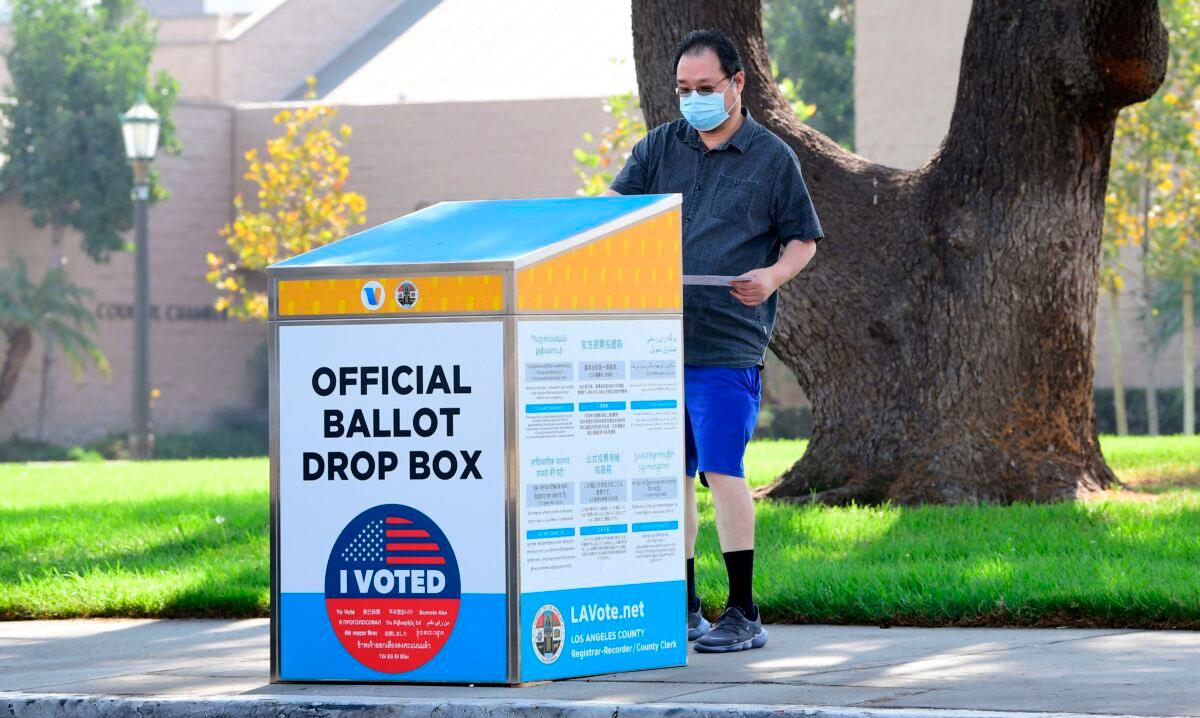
<point>477,445</point>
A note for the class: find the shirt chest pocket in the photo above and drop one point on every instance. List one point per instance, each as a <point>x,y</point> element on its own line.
<point>734,197</point>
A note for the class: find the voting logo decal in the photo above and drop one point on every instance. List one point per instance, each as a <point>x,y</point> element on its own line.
<point>372,295</point>
<point>392,588</point>
<point>407,294</point>
<point>548,633</point>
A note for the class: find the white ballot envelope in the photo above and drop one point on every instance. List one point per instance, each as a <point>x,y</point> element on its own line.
<point>708,280</point>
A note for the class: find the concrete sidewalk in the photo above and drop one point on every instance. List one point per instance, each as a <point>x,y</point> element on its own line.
<point>167,668</point>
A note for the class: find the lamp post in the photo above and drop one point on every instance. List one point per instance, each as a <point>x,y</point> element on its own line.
<point>139,127</point>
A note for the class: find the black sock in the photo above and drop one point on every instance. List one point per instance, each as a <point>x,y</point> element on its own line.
<point>692,599</point>
<point>740,566</point>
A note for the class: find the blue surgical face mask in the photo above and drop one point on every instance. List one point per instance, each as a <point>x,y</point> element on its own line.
<point>704,112</point>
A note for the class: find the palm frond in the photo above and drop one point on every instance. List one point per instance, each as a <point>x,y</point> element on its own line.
<point>55,309</point>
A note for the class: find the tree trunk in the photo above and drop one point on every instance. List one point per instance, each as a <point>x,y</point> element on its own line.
<point>44,391</point>
<point>20,343</point>
<point>1118,364</point>
<point>1148,330</point>
<point>944,333</point>
<point>57,230</point>
<point>1189,359</point>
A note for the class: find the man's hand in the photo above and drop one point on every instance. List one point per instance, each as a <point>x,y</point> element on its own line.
<point>755,287</point>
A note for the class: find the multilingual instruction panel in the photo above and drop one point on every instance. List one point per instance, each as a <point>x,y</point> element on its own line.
<point>600,450</point>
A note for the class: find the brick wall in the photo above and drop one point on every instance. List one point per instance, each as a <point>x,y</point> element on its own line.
<point>198,366</point>
<point>402,156</point>
<point>193,63</point>
<point>906,55</point>
<point>270,53</point>
<point>406,155</point>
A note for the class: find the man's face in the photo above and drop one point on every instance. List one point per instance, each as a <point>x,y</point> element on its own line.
<point>702,71</point>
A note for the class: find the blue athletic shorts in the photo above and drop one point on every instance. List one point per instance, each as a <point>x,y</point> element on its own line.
<point>721,409</point>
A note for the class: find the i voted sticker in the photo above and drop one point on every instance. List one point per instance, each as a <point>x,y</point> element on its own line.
<point>392,588</point>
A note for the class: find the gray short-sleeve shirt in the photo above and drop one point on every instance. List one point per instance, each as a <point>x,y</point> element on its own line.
<point>742,201</point>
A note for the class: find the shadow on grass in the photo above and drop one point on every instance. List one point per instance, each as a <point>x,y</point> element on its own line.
<point>1088,564</point>
<point>1158,482</point>
<point>243,594</point>
<point>177,556</point>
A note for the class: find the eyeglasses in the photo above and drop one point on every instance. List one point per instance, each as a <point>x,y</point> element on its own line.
<point>703,91</point>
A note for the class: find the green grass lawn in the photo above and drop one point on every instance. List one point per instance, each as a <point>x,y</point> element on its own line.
<point>163,538</point>
<point>189,538</point>
<point>1121,560</point>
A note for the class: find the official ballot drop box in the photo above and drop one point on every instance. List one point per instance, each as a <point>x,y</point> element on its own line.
<point>477,445</point>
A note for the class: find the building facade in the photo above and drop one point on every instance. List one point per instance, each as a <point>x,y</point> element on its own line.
<point>448,99</point>
<point>411,147</point>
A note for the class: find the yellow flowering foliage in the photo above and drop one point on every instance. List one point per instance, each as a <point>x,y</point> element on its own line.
<point>1154,179</point>
<point>1123,219</point>
<point>302,204</point>
<point>1175,243</point>
<point>595,166</point>
<point>790,89</point>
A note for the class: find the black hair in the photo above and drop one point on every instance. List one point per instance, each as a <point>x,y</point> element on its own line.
<point>699,40</point>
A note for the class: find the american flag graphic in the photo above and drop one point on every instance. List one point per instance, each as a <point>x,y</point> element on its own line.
<point>393,540</point>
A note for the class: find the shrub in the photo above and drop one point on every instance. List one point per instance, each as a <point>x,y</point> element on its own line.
<point>1170,411</point>
<point>20,449</point>
<point>216,444</point>
<point>784,422</point>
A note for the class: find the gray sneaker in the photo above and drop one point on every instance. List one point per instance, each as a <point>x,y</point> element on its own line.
<point>697,624</point>
<point>733,632</point>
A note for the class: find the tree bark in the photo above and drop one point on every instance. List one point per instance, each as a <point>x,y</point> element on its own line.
<point>20,343</point>
<point>944,333</point>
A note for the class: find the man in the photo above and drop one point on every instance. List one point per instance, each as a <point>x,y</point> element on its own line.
<point>747,214</point>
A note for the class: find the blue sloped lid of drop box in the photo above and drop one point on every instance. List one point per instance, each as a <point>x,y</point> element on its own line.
<point>499,231</point>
